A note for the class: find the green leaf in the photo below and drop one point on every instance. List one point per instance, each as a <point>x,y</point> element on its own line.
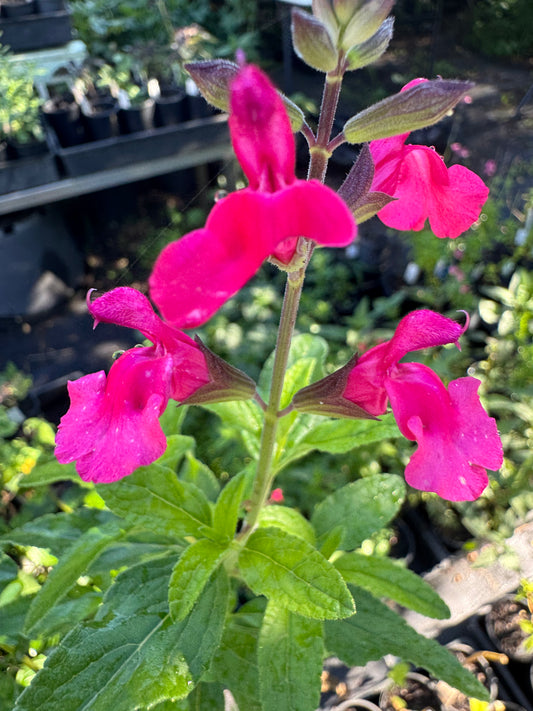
<point>56,532</point>
<point>290,571</point>
<point>154,498</point>
<point>243,415</point>
<point>49,472</point>
<point>172,419</point>
<point>290,654</point>
<point>340,436</point>
<point>235,663</point>
<point>132,656</point>
<point>290,520</point>
<point>361,508</point>
<point>177,448</point>
<point>118,664</point>
<point>306,364</point>
<point>384,577</point>
<point>333,436</point>
<point>228,506</point>
<point>190,576</point>
<point>63,576</point>
<point>376,631</point>
<point>193,471</point>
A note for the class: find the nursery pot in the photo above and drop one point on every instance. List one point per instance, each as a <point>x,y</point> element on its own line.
<point>27,149</point>
<point>503,627</point>
<point>65,119</point>
<point>101,120</point>
<point>45,7</point>
<point>17,8</point>
<point>136,118</point>
<point>171,107</point>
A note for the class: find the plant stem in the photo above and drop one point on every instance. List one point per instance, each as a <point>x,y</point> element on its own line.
<point>330,98</point>
<point>318,164</point>
<point>264,475</point>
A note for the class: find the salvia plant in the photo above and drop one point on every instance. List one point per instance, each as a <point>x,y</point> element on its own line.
<point>224,597</point>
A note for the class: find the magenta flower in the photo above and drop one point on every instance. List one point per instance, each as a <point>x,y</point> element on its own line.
<point>424,188</point>
<point>457,440</point>
<point>194,276</point>
<point>112,426</point>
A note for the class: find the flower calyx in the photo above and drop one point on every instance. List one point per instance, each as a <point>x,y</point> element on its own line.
<point>326,396</point>
<point>226,382</point>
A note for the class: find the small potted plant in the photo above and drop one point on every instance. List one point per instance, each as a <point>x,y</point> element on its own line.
<point>20,109</point>
<point>136,107</point>
<point>162,70</point>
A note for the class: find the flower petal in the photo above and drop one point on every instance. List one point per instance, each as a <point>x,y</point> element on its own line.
<point>451,199</point>
<point>456,438</point>
<point>112,426</point>
<point>261,131</point>
<point>194,276</point>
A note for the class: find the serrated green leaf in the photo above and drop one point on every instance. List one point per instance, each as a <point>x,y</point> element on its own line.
<point>377,630</point>
<point>290,520</point>
<point>191,574</point>
<point>340,436</point>
<point>384,577</point>
<point>235,663</point>
<point>290,655</point>
<point>132,656</point>
<point>118,664</point>
<point>334,436</point>
<point>56,532</point>
<point>69,612</point>
<point>228,506</point>
<point>154,498</point>
<point>70,567</point>
<point>289,570</point>
<point>193,471</point>
<point>361,508</point>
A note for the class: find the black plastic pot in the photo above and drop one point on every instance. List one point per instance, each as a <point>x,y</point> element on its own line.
<point>27,149</point>
<point>101,120</point>
<point>35,31</point>
<point>137,118</point>
<point>171,107</point>
<point>45,7</point>
<point>17,8</point>
<point>65,120</point>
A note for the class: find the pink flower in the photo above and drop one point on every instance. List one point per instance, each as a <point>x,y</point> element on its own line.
<point>194,276</point>
<point>112,426</point>
<point>424,188</point>
<point>457,440</point>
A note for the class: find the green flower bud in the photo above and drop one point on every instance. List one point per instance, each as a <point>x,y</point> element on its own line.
<point>417,107</point>
<point>365,22</point>
<point>213,78</point>
<point>361,55</point>
<point>312,42</point>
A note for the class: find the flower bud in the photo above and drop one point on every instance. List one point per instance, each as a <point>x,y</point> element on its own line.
<point>213,79</point>
<point>419,106</point>
<point>365,22</point>
<point>361,55</point>
<point>312,42</point>
<point>226,382</point>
